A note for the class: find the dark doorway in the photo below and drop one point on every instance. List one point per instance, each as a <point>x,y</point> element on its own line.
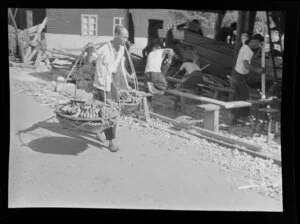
<point>28,17</point>
<point>153,27</point>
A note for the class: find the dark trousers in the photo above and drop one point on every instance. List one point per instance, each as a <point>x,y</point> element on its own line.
<point>159,81</point>
<point>192,81</point>
<point>241,92</point>
<point>110,133</point>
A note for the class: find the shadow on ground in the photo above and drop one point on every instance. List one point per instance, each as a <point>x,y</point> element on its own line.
<point>58,145</point>
<point>71,143</point>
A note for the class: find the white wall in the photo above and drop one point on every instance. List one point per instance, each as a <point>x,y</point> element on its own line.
<point>76,42</point>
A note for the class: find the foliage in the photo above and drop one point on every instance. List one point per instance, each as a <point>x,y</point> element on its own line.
<point>205,18</point>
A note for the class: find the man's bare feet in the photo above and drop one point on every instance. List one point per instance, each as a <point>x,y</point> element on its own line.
<point>112,146</point>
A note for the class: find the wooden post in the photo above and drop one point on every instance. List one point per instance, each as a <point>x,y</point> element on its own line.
<point>252,17</point>
<point>263,76</point>
<point>211,116</point>
<point>239,31</point>
<point>218,23</point>
<point>247,21</point>
<point>146,108</point>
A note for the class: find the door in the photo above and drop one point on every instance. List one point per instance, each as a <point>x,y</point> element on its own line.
<point>153,27</point>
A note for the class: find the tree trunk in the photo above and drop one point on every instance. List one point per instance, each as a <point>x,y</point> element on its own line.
<point>252,17</point>
<point>247,19</point>
<point>240,28</point>
<point>218,23</point>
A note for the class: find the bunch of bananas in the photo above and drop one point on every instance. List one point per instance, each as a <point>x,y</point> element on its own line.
<point>130,96</point>
<point>91,110</point>
<point>72,108</point>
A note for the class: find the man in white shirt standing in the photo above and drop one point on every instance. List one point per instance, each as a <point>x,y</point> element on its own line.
<point>241,74</point>
<point>110,75</point>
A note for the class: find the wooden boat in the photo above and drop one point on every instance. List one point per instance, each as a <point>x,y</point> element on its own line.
<point>216,53</point>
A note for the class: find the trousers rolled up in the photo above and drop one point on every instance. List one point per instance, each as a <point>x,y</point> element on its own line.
<point>241,92</point>
<point>110,133</point>
<point>159,81</point>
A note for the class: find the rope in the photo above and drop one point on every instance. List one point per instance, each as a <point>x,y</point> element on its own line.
<point>135,81</point>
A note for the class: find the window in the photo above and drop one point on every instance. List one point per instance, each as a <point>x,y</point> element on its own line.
<point>89,25</point>
<point>29,18</point>
<point>118,21</point>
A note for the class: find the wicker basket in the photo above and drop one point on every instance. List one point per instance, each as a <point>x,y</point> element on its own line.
<point>93,126</point>
<point>129,107</point>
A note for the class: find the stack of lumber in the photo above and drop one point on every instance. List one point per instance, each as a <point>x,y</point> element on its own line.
<point>28,41</point>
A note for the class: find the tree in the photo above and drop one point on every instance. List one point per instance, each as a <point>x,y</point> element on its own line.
<point>205,18</point>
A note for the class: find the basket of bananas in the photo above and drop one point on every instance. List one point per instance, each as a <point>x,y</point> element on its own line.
<point>91,117</point>
<point>130,100</point>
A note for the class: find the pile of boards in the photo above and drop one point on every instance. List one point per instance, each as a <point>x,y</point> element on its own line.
<point>27,44</point>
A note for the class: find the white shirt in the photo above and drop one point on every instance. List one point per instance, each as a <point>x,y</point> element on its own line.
<point>190,67</point>
<point>245,53</point>
<point>107,65</point>
<point>154,61</point>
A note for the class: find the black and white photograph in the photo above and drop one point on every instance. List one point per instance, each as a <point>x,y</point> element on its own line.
<point>140,108</point>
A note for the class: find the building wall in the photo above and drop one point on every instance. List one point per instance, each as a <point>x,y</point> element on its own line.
<point>140,19</point>
<point>64,26</point>
<point>141,16</point>
<point>68,21</point>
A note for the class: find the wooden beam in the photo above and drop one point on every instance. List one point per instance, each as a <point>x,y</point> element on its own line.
<point>15,13</point>
<point>227,105</point>
<point>31,55</point>
<point>222,140</point>
<point>209,134</point>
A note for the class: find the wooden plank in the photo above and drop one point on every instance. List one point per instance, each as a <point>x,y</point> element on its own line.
<point>27,54</point>
<point>38,59</point>
<point>209,134</point>
<point>174,79</point>
<point>237,104</point>
<point>40,27</point>
<point>227,105</point>
<point>274,157</point>
<point>32,55</point>
<point>146,108</point>
<point>228,90</point>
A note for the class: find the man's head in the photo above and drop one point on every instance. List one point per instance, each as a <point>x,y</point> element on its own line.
<point>256,41</point>
<point>121,35</point>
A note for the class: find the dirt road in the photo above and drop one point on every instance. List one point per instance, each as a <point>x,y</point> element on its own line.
<point>54,167</point>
